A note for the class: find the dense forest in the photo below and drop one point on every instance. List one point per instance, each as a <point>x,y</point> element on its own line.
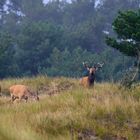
<point>54,38</point>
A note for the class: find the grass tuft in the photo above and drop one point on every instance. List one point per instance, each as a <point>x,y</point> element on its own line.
<point>70,111</point>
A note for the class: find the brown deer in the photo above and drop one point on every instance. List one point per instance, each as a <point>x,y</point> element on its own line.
<point>88,80</point>
<point>22,92</point>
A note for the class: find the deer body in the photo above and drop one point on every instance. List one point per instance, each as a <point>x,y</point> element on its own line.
<point>22,92</point>
<point>85,82</point>
<point>88,80</point>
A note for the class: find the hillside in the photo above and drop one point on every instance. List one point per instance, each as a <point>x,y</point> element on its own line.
<point>66,111</point>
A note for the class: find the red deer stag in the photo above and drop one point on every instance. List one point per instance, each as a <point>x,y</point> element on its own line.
<point>88,80</point>
<point>22,92</point>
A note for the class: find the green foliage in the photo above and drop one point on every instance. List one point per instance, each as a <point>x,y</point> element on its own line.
<point>127,28</point>
<point>6,55</point>
<point>68,63</point>
<point>36,43</point>
<point>55,38</point>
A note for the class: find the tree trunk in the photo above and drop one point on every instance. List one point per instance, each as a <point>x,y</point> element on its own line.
<point>137,69</point>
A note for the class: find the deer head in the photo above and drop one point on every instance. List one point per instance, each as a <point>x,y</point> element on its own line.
<point>34,95</point>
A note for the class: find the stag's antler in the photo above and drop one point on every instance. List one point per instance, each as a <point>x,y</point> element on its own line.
<point>85,64</point>
<point>100,65</point>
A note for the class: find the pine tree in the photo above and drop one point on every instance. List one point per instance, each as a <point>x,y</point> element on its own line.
<point>127,27</point>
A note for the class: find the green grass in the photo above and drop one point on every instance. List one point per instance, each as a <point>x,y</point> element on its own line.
<point>104,110</point>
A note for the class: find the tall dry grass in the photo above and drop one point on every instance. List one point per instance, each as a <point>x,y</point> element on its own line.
<point>104,112</point>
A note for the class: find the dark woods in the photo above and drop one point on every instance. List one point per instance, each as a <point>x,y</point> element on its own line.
<point>55,38</point>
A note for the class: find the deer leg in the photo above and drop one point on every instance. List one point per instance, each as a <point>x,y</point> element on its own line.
<point>13,98</point>
<point>26,99</point>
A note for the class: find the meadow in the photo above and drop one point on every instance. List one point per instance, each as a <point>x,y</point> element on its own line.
<point>67,111</point>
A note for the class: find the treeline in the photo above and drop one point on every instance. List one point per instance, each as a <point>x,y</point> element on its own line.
<point>55,38</point>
